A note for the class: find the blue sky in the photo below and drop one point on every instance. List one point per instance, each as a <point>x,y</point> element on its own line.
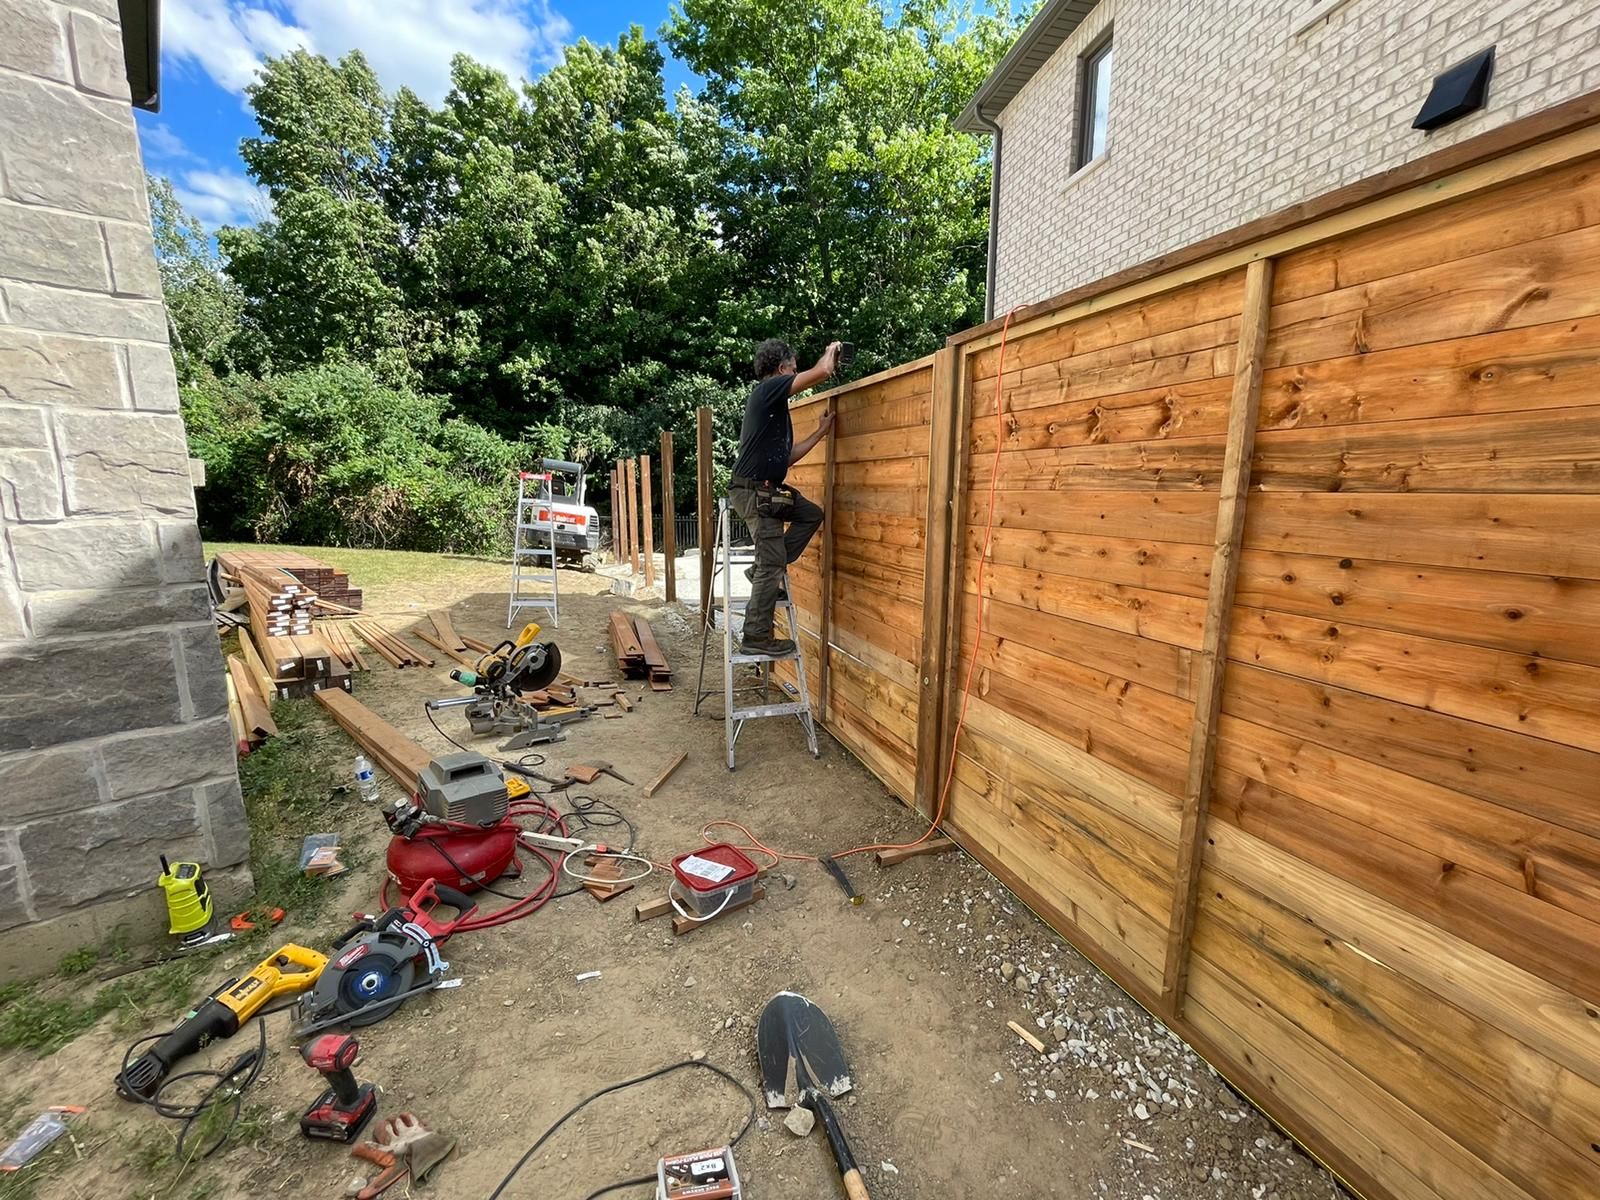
<point>210,49</point>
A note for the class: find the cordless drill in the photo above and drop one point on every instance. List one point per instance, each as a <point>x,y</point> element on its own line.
<point>340,1112</point>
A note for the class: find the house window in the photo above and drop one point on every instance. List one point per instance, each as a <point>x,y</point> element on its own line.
<point>1094,103</point>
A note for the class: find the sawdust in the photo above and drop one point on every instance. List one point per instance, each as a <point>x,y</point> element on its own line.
<point>947,1100</point>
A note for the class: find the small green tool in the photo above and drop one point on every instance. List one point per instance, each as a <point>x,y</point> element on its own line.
<point>188,899</point>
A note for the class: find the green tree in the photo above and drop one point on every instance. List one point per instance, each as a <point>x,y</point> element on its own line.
<point>203,305</point>
<point>855,208</point>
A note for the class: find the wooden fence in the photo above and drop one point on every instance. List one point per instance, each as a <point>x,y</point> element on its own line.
<point>1285,707</point>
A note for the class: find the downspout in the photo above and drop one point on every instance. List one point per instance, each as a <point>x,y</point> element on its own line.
<point>994,209</point>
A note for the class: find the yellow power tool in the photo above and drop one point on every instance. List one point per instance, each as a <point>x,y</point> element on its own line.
<point>290,970</point>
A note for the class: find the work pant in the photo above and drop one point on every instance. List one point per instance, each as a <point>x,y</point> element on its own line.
<point>775,549</point>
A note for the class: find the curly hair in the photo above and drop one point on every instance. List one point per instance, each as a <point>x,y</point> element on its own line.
<point>771,355</point>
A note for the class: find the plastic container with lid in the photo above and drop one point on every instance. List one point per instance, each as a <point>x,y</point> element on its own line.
<point>714,878</point>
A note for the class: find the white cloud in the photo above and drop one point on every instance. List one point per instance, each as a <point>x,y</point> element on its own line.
<point>162,145</point>
<point>408,42</point>
<point>221,198</point>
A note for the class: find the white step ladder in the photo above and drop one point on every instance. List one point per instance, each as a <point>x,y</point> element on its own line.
<point>733,718</point>
<point>533,548</point>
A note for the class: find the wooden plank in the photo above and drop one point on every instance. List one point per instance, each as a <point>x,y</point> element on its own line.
<point>1214,647</point>
<point>893,858</point>
<point>257,719</point>
<point>236,720</point>
<point>669,518</point>
<point>402,758</point>
<point>634,539</point>
<point>616,518</point>
<point>655,784</point>
<point>447,633</point>
<point>706,506</point>
<point>948,413</point>
<point>258,670</point>
<point>1160,616</point>
<point>826,568</point>
<point>1026,1036</point>
<point>648,521</point>
<point>439,643</point>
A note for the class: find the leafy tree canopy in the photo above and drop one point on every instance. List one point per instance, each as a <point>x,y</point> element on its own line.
<point>570,265</point>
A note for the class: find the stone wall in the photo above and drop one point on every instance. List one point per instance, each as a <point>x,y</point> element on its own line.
<point>1225,110</point>
<point>114,738</point>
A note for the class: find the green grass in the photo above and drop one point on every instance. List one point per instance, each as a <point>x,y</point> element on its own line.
<point>374,568</point>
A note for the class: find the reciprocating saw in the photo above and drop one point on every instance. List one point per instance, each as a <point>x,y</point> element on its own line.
<point>289,971</point>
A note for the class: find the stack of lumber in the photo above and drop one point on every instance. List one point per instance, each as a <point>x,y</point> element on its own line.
<point>638,655</point>
<point>249,706</point>
<point>388,748</point>
<point>331,586</point>
<point>389,647</point>
<point>444,638</point>
<point>339,643</point>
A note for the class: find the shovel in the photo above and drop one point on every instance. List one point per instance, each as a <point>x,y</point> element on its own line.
<point>802,1063</point>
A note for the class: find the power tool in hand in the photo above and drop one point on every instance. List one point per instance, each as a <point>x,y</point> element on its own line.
<point>339,1114</point>
<point>289,971</point>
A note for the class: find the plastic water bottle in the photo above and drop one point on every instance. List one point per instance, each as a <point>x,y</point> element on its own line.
<point>367,785</point>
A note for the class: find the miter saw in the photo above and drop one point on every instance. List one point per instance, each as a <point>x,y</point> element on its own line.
<point>498,682</point>
<point>381,962</point>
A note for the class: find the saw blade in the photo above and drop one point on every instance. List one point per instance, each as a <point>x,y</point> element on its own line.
<point>544,664</point>
<point>361,984</point>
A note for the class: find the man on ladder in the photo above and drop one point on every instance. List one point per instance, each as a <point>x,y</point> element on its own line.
<point>767,450</point>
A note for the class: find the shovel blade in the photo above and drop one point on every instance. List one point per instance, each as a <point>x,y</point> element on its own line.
<point>799,1051</point>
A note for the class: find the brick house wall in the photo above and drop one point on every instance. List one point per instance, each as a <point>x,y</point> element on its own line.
<point>1225,110</point>
<point>114,737</point>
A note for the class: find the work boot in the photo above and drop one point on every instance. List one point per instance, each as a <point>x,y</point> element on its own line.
<point>754,643</point>
<point>750,575</point>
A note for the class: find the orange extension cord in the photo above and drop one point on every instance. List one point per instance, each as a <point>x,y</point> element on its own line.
<point>977,640</point>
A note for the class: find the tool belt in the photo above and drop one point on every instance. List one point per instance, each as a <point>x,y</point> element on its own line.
<point>772,499</point>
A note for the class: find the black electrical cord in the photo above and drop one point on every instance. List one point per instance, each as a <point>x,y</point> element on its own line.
<point>433,843</point>
<point>589,812</point>
<point>687,1064</point>
<point>238,1075</point>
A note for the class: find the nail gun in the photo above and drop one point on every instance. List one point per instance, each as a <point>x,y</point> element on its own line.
<point>289,971</point>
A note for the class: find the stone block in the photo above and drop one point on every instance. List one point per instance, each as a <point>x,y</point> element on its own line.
<point>97,57</point>
<point>38,369</point>
<point>23,428</point>
<point>13,896</point>
<point>182,554</point>
<point>42,246</point>
<point>124,463</point>
<point>70,151</point>
<point>30,486</point>
<point>154,382</point>
<point>207,676</point>
<point>85,554</point>
<point>54,311</point>
<point>163,759</point>
<point>33,40</point>
<point>77,857</point>
<point>103,610</point>
<point>35,785</point>
<point>227,827</point>
<point>13,624</point>
<point>53,693</point>
<point>133,261</point>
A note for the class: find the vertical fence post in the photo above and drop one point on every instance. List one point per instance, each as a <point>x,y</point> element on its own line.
<point>633,515</point>
<point>954,579</point>
<point>943,525</point>
<point>1242,411</point>
<point>623,525</point>
<point>648,522</point>
<point>825,617</point>
<point>669,517</point>
<point>612,513</point>
<point>702,462</point>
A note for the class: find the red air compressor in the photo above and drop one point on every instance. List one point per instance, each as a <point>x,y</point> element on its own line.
<point>456,830</point>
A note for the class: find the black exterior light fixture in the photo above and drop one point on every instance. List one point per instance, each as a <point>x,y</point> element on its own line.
<point>1463,89</point>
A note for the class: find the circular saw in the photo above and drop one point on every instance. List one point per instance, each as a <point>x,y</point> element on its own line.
<point>382,962</point>
<point>525,665</point>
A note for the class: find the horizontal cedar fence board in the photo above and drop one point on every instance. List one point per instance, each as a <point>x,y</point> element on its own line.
<point>1398,847</point>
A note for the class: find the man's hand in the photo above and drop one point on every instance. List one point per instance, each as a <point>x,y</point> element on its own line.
<point>825,424</point>
<point>830,358</point>
<point>826,365</point>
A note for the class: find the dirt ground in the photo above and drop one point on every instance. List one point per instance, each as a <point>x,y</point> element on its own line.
<point>920,981</point>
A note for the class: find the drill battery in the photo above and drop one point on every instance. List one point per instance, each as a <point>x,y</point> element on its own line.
<point>703,1175</point>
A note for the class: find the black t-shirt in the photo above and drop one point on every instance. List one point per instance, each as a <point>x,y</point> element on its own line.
<point>766,439</point>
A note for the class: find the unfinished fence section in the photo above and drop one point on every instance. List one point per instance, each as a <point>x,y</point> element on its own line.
<point>1278,688</point>
<point>871,473</point>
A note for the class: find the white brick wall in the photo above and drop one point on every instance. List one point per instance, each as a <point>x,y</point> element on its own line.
<point>114,739</point>
<point>1221,114</point>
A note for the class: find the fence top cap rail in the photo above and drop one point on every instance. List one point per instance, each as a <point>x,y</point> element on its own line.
<point>1541,126</point>
<point>888,373</point>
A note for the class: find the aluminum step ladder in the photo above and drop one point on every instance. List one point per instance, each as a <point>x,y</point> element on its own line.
<point>533,548</point>
<point>733,718</point>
